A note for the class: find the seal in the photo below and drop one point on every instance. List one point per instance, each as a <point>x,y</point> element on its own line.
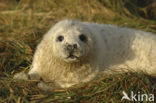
<point>72,52</point>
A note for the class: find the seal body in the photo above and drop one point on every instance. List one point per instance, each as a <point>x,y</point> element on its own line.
<point>72,52</point>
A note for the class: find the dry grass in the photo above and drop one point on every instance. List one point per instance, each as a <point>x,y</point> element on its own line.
<point>22,25</point>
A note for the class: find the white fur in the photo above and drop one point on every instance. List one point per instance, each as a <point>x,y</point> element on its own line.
<point>108,48</point>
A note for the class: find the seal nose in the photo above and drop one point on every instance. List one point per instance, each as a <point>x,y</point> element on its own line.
<point>72,47</point>
<point>75,46</point>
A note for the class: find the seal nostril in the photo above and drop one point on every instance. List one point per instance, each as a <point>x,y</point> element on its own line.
<point>69,47</point>
<point>75,46</point>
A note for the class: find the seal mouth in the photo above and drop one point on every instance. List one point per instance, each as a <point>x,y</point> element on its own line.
<point>71,56</point>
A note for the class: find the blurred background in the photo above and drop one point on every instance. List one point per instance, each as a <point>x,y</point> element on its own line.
<point>24,22</point>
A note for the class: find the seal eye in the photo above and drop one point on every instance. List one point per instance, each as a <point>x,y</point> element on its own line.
<point>60,38</point>
<point>83,38</point>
